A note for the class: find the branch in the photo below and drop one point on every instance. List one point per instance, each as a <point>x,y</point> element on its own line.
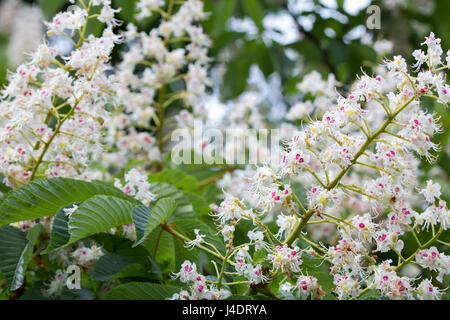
<point>317,43</point>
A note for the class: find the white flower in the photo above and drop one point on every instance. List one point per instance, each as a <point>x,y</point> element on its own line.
<point>227,232</point>
<point>197,241</point>
<point>69,211</point>
<point>85,256</point>
<point>286,287</point>
<point>431,191</point>
<point>426,291</point>
<point>188,272</point>
<point>57,284</point>
<point>286,259</point>
<point>346,287</point>
<point>434,260</point>
<point>138,186</point>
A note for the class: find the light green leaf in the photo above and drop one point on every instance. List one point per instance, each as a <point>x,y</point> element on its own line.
<point>99,214</point>
<point>254,10</point>
<point>177,178</point>
<point>45,197</point>
<point>187,226</point>
<point>184,207</point>
<point>146,219</point>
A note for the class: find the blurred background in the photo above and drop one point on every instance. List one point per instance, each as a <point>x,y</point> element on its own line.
<point>267,46</point>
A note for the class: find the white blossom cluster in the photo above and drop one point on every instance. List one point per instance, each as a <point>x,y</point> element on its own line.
<point>176,51</point>
<point>83,256</point>
<point>359,163</point>
<point>199,287</point>
<point>22,24</point>
<point>53,107</point>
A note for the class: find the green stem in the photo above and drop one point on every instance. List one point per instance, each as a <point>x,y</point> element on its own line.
<point>407,260</point>
<point>224,263</point>
<point>178,235</point>
<point>48,143</point>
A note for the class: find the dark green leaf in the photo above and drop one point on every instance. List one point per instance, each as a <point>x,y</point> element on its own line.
<point>141,291</point>
<point>99,214</point>
<point>45,197</point>
<point>109,265</point>
<point>16,249</point>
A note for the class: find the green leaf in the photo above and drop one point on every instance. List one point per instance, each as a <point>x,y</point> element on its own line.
<point>45,197</point>
<point>109,265</point>
<point>254,10</point>
<point>146,219</point>
<point>160,245</point>
<point>184,207</point>
<point>132,270</point>
<point>50,7</point>
<point>187,226</point>
<point>234,86</point>
<point>371,295</point>
<point>59,234</point>
<point>35,293</point>
<point>177,178</point>
<point>94,26</point>
<point>141,291</point>
<point>16,249</point>
<point>240,65</point>
<point>312,266</point>
<point>127,11</point>
<point>240,297</point>
<point>135,255</point>
<point>259,255</point>
<point>182,254</point>
<point>222,11</point>
<point>76,294</point>
<point>3,187</point>
<point>99,214</point>
<point>199,203</point>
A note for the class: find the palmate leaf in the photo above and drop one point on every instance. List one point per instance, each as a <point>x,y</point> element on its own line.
<point>187,226</point>
<point>146,219</point>
<point>109,265</point>
<point>16,249</point>
<point>141,291</point>
<point>103,212</point>
<point>99,214</point>
<point>184,207</point>
<point>59,234</point>
<point>177,178</point>
<point>160,245</point>
<point>95,215</point>
<point>45,197</point>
